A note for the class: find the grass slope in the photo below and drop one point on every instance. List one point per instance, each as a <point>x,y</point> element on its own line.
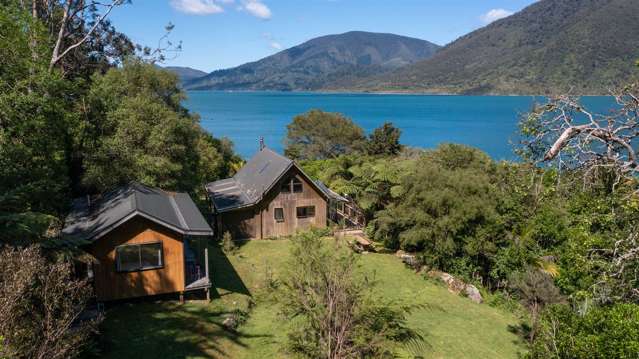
<point>452,326</point>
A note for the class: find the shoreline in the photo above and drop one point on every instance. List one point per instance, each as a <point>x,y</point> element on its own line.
<point>383,93</point>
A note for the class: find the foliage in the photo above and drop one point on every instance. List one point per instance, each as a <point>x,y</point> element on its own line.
<point>40,306</point>
<point>384,140</point>
<point>320,135</point>
<point>536,290</point>
<point>337,317</point>
<point>228,245</point>
<point>606,332</point>
<point>139,131</point>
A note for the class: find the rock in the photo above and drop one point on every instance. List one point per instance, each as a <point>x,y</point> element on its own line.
<point>455,285</point>
<point>399,253</point>
<point>229,323</point>
<point>473,293</point>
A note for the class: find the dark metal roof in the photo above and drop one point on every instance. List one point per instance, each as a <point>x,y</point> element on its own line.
<point>252,182</point>
<point>329,192</point>
<point>89,220</point>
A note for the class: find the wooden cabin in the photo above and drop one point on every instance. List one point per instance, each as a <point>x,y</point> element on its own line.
<point>145,242</point>
<point>270,196</point>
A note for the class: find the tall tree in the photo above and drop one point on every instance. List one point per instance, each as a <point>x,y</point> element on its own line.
<point>138,130</point>
<point>384,140</point>
<point>318,135</point>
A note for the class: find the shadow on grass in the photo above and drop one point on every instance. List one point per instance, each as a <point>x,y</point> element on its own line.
<point>223,273</point>
<point>167,330</point>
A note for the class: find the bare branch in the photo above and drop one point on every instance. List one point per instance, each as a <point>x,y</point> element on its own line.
<point>57,56</point>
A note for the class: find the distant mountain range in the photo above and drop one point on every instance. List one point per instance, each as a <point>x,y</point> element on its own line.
<point>186,74</point>
<point>552,46</point>
<point>321,62</point>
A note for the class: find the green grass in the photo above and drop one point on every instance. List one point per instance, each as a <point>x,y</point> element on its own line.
<point>452,326</point>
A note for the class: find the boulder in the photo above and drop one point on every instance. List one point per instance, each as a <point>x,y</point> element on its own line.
<point>230,323</point>
<point>455,285</point>
<point>473,293</point>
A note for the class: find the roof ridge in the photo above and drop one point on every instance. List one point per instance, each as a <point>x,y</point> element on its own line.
<point>178,213</point>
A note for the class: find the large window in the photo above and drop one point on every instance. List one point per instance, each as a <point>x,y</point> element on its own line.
<point>305,212</point>
<point>137,257</point>
<point>279,215</point>
<point>292,185</point>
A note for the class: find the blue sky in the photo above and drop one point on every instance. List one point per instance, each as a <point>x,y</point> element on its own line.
<point>219,34</point>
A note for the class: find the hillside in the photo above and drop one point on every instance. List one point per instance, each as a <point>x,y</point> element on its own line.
<point>321,61</point>
<point>549,47</point>
<point>185,74</point>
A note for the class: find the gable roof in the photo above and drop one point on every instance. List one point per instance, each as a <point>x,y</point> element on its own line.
<point>176,211</point>
<point>252,181</point>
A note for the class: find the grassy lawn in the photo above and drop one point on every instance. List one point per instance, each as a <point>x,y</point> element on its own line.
<point>452,326</point>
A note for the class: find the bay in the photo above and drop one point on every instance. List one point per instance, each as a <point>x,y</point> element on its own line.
<point>485,122</point>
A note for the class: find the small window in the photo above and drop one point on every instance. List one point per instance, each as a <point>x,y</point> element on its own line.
<point>286,187</point>
<point>297,185</point>
<point>305,212</point>
<point>136,257</point>
<point>279,215</point>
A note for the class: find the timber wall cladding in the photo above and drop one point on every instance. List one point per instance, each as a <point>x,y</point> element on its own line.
<point>289,202</point>
<point>259,221</point>
<point>110,284</point>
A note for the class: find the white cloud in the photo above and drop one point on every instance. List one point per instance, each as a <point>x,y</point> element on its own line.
<point>257,9</point>
<point>494,15</point>
<point>197,7</point>
<point>276,45</point>
<point>272,42</point>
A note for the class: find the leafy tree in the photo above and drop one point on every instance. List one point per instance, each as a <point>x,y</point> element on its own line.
<point>140,131</point>
<point>384,140</point>
<point>320,135</point>
<point>34,118</point>
<point>40,306</point>
<point>331,302</point>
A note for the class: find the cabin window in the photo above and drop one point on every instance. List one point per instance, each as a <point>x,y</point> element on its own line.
<point>297,185</point>
<point>137,257</point>
<point>279,215</point>
<point>292,185</point>
<point>305,212</point>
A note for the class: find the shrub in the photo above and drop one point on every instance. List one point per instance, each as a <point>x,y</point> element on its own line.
<point>606,332</point>
<point>40,303</point>
<point>337,316</point>
<point>228,244</point>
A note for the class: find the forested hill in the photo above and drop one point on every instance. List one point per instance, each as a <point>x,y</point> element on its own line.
<point>321,61</point>
<point>551,46</point>
<point>185,74</point>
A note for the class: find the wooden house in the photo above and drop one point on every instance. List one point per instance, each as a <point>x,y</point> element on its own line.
<point>270,196</point>
<point>145,241</point>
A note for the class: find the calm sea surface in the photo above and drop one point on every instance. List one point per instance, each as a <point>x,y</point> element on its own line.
<point>486,122</point>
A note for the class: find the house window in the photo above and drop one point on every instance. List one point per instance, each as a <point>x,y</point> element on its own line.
<point>297,185</point>
<point>292,185</point>
<point>305,212</point>
<point>137,257</point>
<point>286,187</point>
<point>279,215</point>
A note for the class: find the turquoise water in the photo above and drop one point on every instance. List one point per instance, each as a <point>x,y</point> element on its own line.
<point>486,122</point>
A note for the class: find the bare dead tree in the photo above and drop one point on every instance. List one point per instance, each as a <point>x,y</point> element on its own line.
<point>621,277</point>
<point>565,131</point>
<point>73,10</point>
